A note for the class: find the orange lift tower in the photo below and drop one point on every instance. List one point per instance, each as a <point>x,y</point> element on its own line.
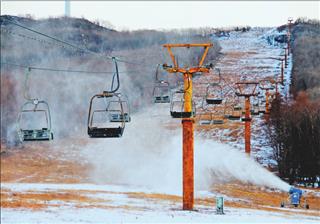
<point>282,68</point>
<point>285,57</point>
<point>289,34</point>
<point>266,85</point>
<point>275,83</point>
<point>188,120</point>
<point>246,90</point>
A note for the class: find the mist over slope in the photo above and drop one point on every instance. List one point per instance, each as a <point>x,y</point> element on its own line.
<point>151,156</point>
<point>68,94</point>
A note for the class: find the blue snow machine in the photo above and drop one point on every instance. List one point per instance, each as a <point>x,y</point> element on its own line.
<point>294,198</point>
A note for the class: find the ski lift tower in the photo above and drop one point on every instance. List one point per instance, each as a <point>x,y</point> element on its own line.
<point>187,122</point>
<point>282,68</point>
<point>247,89</point>
<point>266,85</point>
<point>290,19</point>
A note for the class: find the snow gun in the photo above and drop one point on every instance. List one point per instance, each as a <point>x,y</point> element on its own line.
<point>294,199</point>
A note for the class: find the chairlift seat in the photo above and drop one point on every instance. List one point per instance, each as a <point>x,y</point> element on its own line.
<point>237,108</point>
<point>179,114</point>
<point>111,115</point>
<point>214,100</point>
<point>95,132</point>
<point>161,99</point>
<point>36,135</point>
<point>246,119</point>
<point>118,117</point>
<point>255,112</point>
<point>29,134</point>
<point>234,117</point>
<point>217,121</point>
<point>205,122</point>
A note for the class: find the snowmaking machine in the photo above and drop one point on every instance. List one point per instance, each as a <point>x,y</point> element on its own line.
<point>295,199</point>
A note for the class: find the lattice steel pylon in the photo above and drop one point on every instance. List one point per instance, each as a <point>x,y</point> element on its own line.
<point>188,122</point>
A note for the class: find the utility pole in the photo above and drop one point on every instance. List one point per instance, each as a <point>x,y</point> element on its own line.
<point>247,89</point>
<point>188,121</point>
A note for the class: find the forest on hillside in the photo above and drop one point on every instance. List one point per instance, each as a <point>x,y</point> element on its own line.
<point>294,126</point>
<point>306,57</point>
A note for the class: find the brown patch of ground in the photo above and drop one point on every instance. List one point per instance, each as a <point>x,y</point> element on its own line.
<point>34,163</point>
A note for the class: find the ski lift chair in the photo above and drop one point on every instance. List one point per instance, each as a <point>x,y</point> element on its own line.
<point>262,108</point>
<point>217,120</point>
<point>161,92</point>
<point>218,116</point>
<point>228,111</point>
<point>112,121</point>
<point>41,108</point>
<point>177,106</point>
<point>246,119</point>
<point>205,118</point>
<point>255,108</point>
<point>236,113</point>
<point>211,97</point>
<point>116,108</point>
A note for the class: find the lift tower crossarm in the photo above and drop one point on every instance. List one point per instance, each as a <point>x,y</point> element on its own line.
<point>205,45</point>
<point>188,123</point>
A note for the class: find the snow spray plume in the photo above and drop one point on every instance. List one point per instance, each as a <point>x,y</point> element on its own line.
<point>151,156</point>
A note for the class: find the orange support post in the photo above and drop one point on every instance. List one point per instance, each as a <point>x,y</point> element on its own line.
<point>188,166</point>
<point>289,34</point>
<point>267,101</point>
<point>188,150</point>
<point>285,58</point>
<point>282,72</point>
<point>247,93</point>
<point>247,127</point>
<point>187,123</point>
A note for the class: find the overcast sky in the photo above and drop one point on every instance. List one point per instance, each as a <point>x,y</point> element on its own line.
<point>171,14</point>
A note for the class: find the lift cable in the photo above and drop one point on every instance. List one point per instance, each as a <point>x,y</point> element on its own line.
<point>72,45</point>
<point>60,70</point>
<point>53,38</point>
<point>29,37</point>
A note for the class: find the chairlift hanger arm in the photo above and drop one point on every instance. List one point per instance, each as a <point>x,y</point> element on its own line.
<point>26,93</point>
<point>116,74</point>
